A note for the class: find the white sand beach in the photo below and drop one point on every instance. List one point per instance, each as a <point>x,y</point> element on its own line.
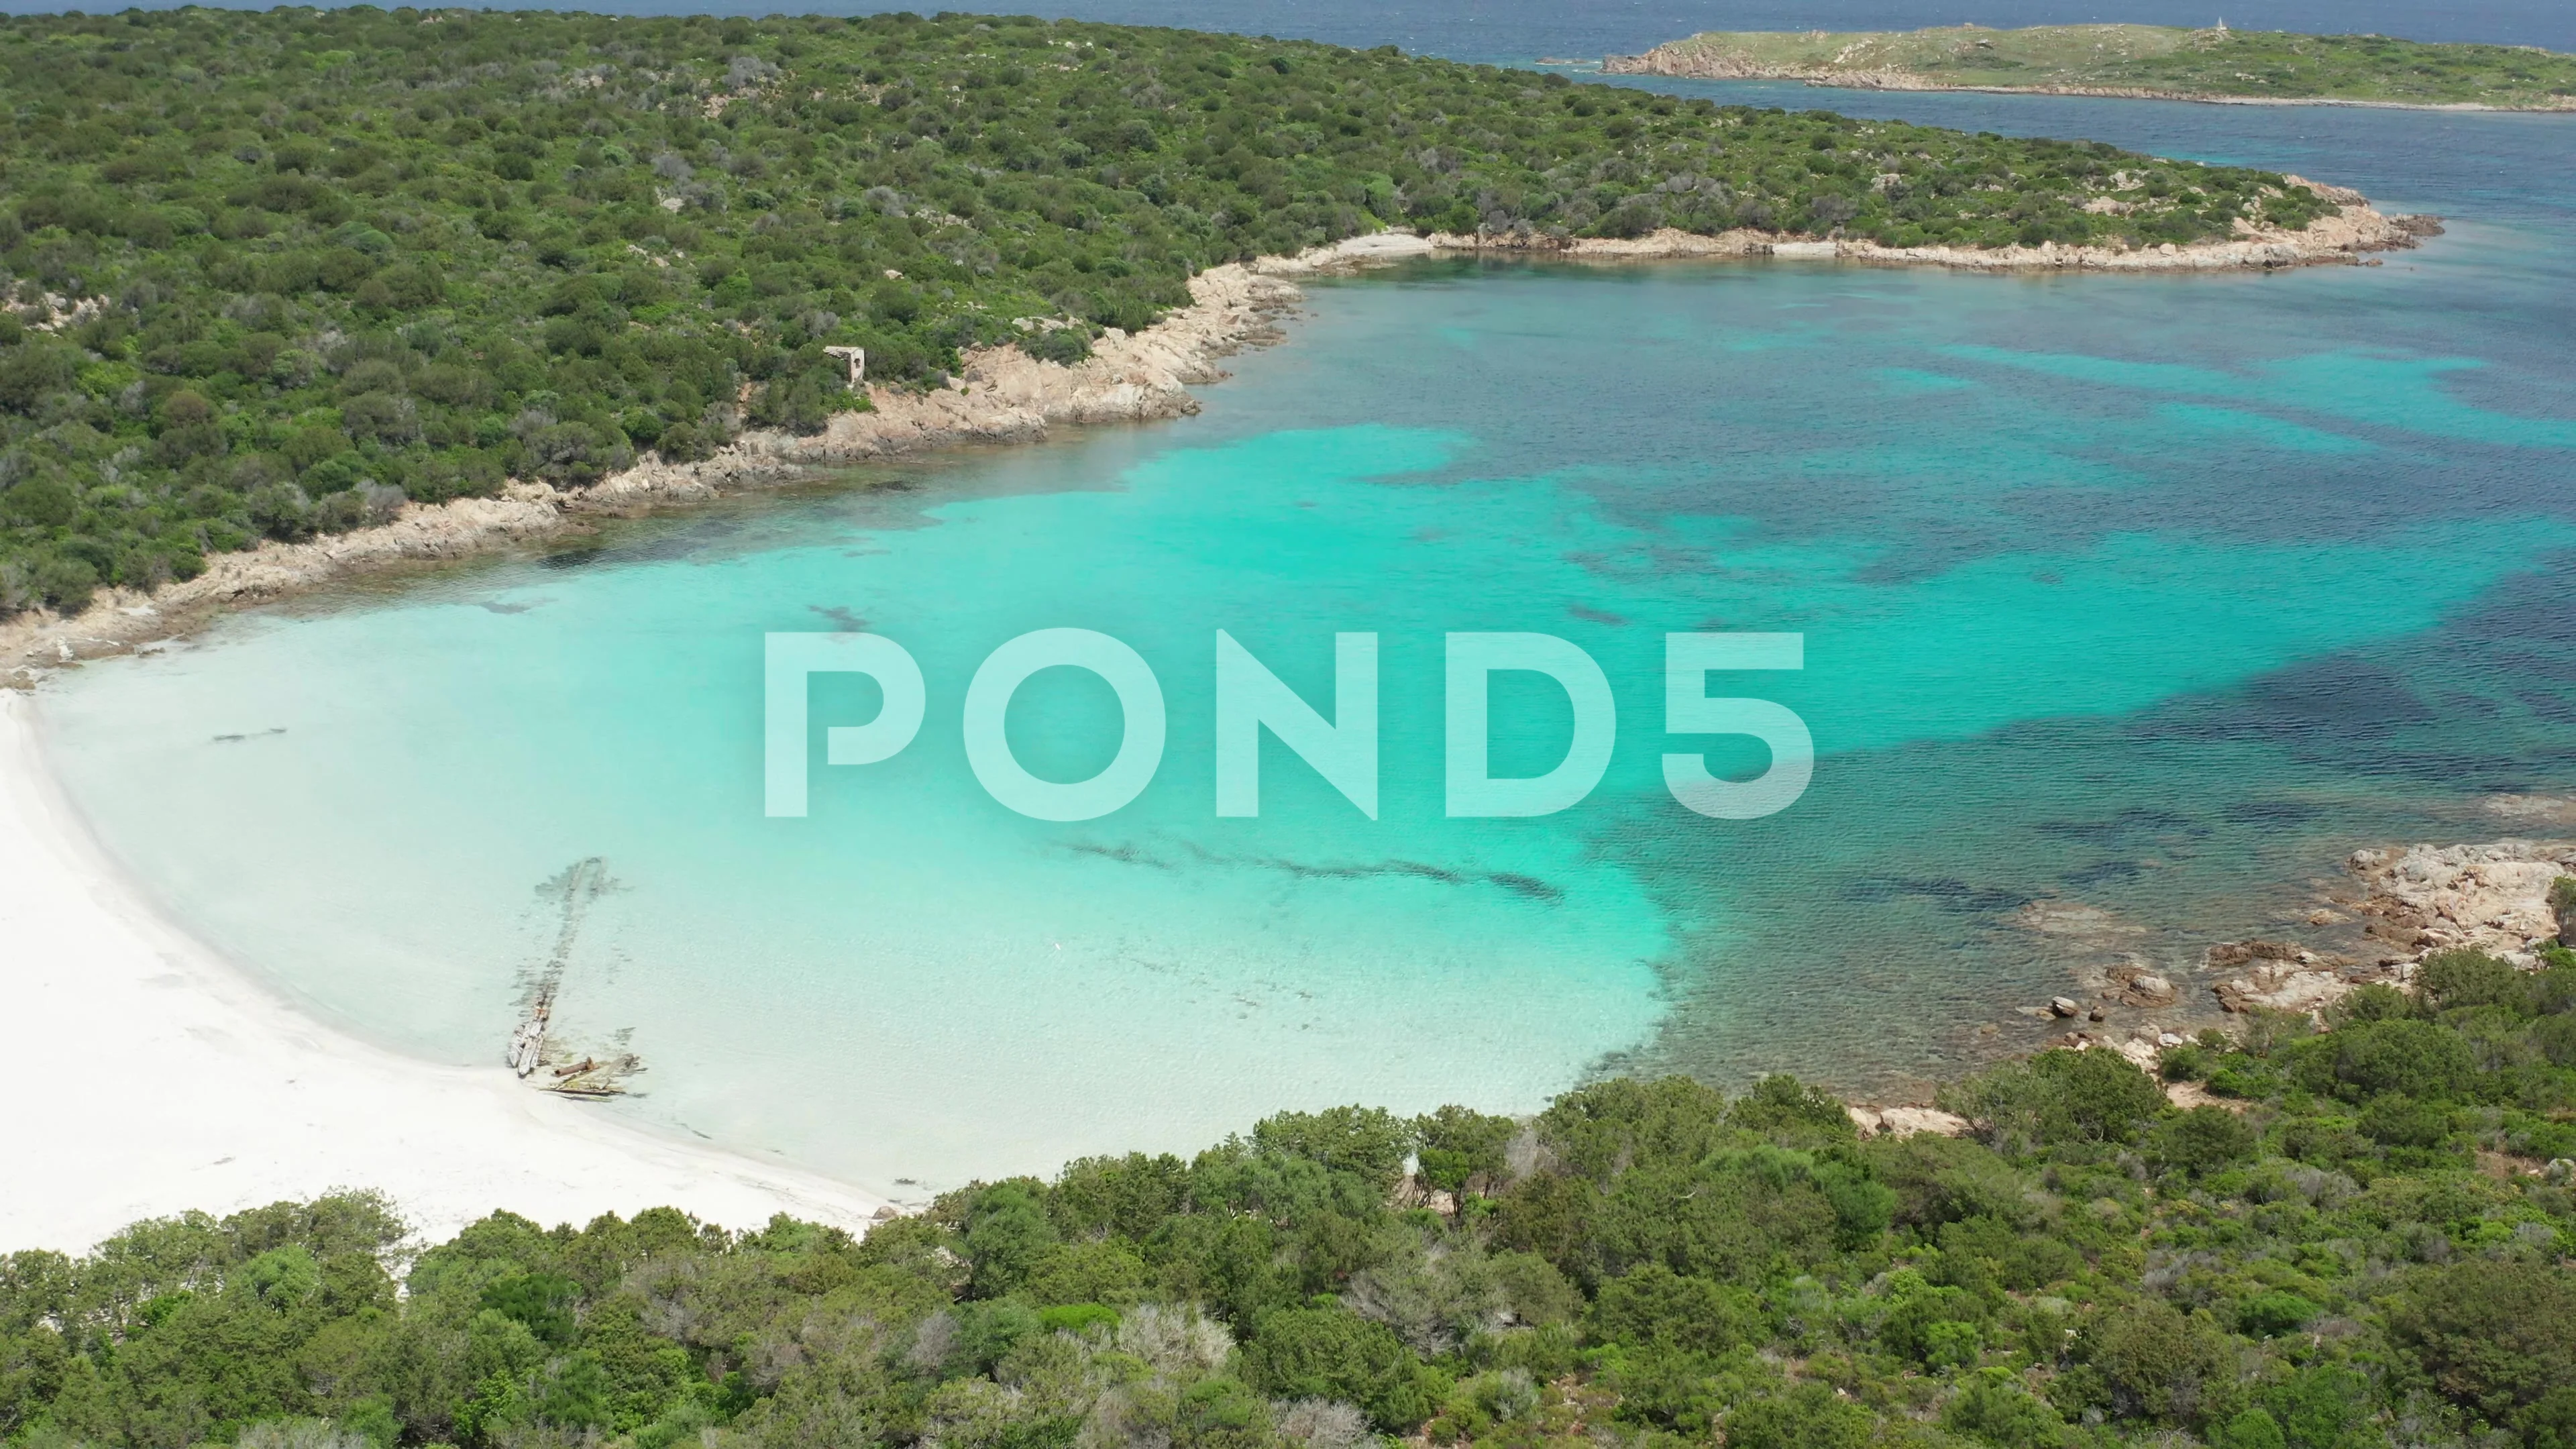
<point>146,1076</point>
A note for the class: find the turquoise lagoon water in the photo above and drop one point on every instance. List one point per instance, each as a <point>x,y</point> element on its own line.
<point>2154,595</point>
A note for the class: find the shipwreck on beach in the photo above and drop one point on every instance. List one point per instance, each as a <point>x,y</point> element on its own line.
<point>535,1053</point>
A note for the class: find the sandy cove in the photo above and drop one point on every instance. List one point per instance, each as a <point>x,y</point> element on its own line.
<point>149,1076</point>
<point>169,1081</point>
<point>159,1078</point>
<point>1005,396</point>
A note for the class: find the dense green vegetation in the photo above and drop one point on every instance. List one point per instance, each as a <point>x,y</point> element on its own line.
<point>2167,60</point>
<point>275,273</point>
<point>2356,1246</point>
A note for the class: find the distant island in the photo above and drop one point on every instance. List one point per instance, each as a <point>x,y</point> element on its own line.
<point>296,273</point>
<point>2144,61</point>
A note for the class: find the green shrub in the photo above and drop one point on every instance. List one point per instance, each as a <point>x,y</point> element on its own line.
<point>1332,1353</point>
<point>1787,1110</point>
<point>1368,1142</point>
<point>2553,991</point>
<point>1077,1318</point>
<point>2555,1036</point>
<point>2497,1337</point>
<point>1537,1296</point>
<point>2452,980</point>
<point>1652,1305</point>
<point>1806,1417</point>
<point>540,1302</point>
<point>1066,345</point>
<point>1007,1237</point>
<point>2375,1001</point>
<point>1463,1149</point>
<point>2157,1362</point>
<point>2549,1422</point>
<point>2323,1406</point>
<point>2242,1076</point>
<point>2021,1260</point>
<point>2059,1097</point>
<point>2396,1121</point>
<point>2185,1064</point>
<point>2374,1056</point>
<point>1993,1408</point>
<point>2275,1312</point>
<point>1667,1389</point>
<point>2252,1429</point>
<point>1935,1324</point>
<point>1083,1275</point>
<point>1863,1206</point>
<point>2204,1140</point>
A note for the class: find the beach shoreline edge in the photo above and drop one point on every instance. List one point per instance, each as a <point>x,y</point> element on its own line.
<point>1004,396</point>
<point>154,1076</point>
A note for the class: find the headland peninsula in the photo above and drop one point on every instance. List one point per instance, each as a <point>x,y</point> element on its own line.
<point>2147,62</point>
<point>295,291</point>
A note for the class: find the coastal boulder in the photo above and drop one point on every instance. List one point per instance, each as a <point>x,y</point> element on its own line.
<point>2238,953</point>
<point>1907,1121</point>
<point>2497,897</point>
<point>2137,987</point>
<point>2332,195</point>
<point>2283,986</point>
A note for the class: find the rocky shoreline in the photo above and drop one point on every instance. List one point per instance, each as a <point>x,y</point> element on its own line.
<point>1006,396</point>
<point>1683,60</point>
<point>1003,396</point>
<point>2408,904</point>
<point>2399,907</point>
<point>2347,238</point>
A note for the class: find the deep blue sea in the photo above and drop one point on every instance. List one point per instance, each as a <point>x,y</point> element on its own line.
<point>2149,596</point>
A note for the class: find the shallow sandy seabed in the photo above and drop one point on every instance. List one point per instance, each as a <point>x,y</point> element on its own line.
<point>147,1076</point>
